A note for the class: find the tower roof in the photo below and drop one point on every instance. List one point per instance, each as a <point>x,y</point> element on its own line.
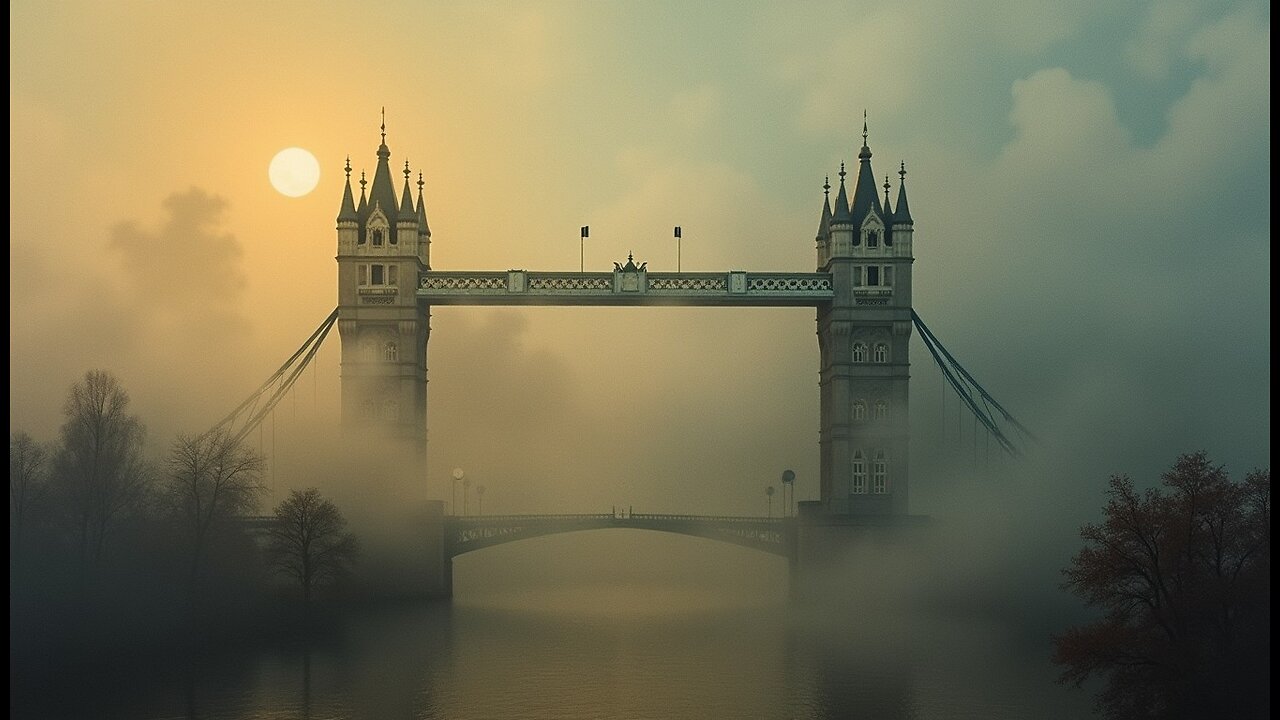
<point>865,197</point>
<point>382,192</point>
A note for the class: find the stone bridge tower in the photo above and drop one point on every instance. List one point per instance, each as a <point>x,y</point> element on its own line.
<point>863,339</point>
<point>383,245</point>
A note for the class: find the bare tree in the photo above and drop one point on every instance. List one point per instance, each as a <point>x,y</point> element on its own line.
<point>211,477</point>
<point>1183,577</point>
<point>28,485</point>
<point>309,541</point>
<point>100,473</point>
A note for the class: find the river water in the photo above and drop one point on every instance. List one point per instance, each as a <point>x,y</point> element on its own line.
<point>551,629</point>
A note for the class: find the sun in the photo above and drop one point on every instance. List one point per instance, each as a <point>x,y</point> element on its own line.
<point>294,172</point>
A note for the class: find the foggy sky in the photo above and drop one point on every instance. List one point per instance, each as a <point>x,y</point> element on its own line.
<point>1089,184</point>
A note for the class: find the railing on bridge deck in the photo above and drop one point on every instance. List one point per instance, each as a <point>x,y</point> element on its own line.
<point>621,287</point>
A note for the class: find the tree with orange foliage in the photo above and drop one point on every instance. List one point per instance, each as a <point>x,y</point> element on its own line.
<point>1182,574</point>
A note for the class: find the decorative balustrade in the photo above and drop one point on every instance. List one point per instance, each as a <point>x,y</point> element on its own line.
<point>624,286</point>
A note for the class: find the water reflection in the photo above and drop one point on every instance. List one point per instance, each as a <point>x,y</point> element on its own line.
<point>562,645</point>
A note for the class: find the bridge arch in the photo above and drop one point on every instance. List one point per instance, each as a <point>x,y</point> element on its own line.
<point>468,534</point>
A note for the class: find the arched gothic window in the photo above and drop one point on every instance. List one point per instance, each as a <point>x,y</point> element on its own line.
<point>881,353</point>
<point>859,352</point>
<point>880,472</point>
<point>390,410</point>
<point>859,473</point>
<point>391,352</point>
<point>859,410</point>
<point>377,237</point>
<point>873,239</point>
<point>881,410</point>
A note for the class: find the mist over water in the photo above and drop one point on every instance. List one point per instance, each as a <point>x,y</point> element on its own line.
<point>605,624</point>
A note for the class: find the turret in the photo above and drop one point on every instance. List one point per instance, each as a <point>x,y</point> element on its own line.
<point>841,224</point>
<point>348,220</point>
<point>903,226</point>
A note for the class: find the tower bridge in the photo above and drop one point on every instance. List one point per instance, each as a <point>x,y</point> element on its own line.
<point>860,289</point>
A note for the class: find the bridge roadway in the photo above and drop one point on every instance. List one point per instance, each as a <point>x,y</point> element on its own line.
<point>464,534</point>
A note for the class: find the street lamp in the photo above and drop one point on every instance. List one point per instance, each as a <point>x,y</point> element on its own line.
<point>768,491</point>
<point>480,499</point>
<point>466,494</point>
<point>453,496</point>
<point>788,481</point>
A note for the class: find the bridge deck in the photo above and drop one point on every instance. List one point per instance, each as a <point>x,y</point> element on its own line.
<point>522,287</point>
<point>468,533</point>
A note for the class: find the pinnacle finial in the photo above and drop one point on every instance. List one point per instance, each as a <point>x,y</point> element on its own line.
<point>886,191</point>
<point>826,186</point>
<point>362,181</point>
<point>420,182</point>
<point>902,173</point>
<point>842,172</point>
<point>406,170</point>
<point>384,124</point>
<point>348,168</point>
<point>630,258</point>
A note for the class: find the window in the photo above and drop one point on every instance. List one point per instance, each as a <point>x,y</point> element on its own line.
<point>859,473</point>
<point>360,239</point>
<point>873,239</point>
<point>881,410</point>
<point>859,352</point>
<point>391,352</point>
<point>390,410</point>
<point>873,275</point>
<point>886,274</point>
<point>368,351</point>
<point>859,410</point>
<point>375,272</point>
<point>362,274</point>
<point>881,353</point>
<point>377,237</point>
<point>880,473</point>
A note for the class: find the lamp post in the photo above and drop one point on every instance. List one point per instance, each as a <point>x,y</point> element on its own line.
<point>788,481</point>
<point>479,499</point>
<point>768,491</point>
<point>466,493</point>
<point>677,233</point>
<point>453,493</point>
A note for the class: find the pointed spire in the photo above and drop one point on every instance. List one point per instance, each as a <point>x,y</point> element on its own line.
<point>886,193</point>
<point>382,191</point>
<point>824,224</point>
<point>423,228</point>
<point>865,197</point>
<point>902,213</point>
<point>406,197</point>
<point>841,213</point>
<point>364,201</point>
<point>348,209</point>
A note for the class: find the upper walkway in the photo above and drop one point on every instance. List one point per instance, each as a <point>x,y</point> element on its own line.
<point>625,287</point>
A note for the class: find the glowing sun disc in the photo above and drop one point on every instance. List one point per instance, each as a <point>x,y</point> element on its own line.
<point>294,172</point>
